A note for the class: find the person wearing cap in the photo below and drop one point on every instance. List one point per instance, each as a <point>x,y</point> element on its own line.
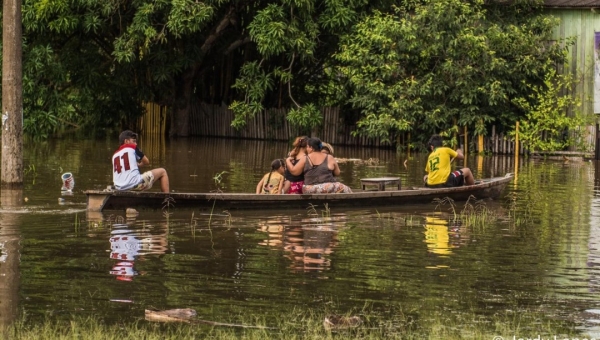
<point>319,170</point>
<point>127,161</point>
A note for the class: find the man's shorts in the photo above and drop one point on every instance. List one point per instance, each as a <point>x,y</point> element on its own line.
<point>147,181</point>
<point>456,179</point>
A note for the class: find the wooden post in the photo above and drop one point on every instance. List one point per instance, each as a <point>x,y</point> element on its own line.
<point>12,96</point>
<point>408,146</point>
<point>494,140</point>
<point>455,133</point>
<point>516,153</point>
<point>466,146</point>
<point>480,141</point>
<point>480,147</point>
<point>517,138</point>
<point>597,153</point>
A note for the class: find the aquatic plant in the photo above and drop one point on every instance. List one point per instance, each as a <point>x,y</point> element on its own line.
<point>326,214</point>
<point>31,170</point>
<point>218,178</point>
<point>446,200</point>
<point>193,225</point>
<point>313,213</point>
<point>76,223</point>
<point>390,219</point>
<point>475,213</point>
<point>168,203</point>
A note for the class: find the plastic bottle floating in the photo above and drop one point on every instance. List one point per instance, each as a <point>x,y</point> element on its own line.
<point>68,182</point>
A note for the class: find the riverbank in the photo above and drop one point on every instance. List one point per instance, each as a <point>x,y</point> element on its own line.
<point>382,324</point>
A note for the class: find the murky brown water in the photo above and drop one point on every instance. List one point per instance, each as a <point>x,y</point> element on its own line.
<point>541,251</point>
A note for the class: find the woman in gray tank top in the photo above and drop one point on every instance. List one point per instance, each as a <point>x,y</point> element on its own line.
<point>319,170</point>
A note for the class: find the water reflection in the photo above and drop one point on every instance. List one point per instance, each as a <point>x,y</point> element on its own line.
<point>308,244</point>
<point>437,237</point>
<point>128,243</point>
<point>591,316</point>
<point>262,262</point>
<point>9,255</point>
<point>443,234</point>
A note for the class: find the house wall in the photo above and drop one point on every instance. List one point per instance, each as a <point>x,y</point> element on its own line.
<point>581,24</point>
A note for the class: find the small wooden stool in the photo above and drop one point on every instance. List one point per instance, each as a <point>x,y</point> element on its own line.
<point>380,182</point>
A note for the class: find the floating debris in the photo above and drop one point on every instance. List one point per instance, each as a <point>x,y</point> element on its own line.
<point>370,161</point>
<point>121,300</point>
<point>68,182</point>
<point>171,315</point>
<point>341,322</point>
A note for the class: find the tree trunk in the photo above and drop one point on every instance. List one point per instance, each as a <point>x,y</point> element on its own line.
<point>12,96</point>
<point>9,269</point>
<point>180,123</point>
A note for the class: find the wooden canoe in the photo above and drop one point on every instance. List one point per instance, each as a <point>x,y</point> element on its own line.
<point>98,200</point>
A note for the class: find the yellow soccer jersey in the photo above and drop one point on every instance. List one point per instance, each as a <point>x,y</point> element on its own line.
<point>438,165</point>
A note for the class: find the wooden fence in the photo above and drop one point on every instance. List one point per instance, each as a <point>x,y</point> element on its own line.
<point>154,121</point>
<point>215,121</point>
<point>272,124</point>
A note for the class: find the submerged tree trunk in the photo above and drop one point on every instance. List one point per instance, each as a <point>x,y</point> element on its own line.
<point>182,108</point>
<point>12,96</point>
<point>10,236</point>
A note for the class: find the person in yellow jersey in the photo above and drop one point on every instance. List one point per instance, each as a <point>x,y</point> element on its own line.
<point>439,166</point>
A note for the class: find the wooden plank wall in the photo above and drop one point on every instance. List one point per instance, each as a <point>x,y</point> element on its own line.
<point>215,121</point>
<point>271,124</point>
<point>580,23</point>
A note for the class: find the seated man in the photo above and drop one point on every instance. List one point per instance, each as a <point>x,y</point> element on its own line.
<point>126,162</point>
<point>439,167</point>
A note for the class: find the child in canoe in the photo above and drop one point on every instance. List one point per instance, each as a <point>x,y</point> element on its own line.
<point>272,182</point>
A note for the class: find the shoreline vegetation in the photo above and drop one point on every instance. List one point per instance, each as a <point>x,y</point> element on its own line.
<point>388,324</point>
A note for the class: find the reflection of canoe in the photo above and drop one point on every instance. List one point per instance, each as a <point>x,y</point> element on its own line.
<point>120,200</point>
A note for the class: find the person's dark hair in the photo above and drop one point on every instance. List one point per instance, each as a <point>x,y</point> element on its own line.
<point>436,141</point>
<point>127,134</point>
<point>299,143</point>
<point>276,164</point>
<point>315,143</point>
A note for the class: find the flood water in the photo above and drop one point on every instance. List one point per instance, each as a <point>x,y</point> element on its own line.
<point>541,251</point>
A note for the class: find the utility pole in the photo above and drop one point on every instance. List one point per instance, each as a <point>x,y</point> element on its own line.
<point>12,96</point>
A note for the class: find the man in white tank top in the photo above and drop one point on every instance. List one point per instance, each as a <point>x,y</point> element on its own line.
<point>126,162</point>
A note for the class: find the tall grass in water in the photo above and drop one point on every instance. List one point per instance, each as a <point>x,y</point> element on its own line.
<point>312,211</point>
<point>476,214</point>
<point>389,323</point>
<point>168,203</point>
<point>473,214</point>
<point>218,178</point>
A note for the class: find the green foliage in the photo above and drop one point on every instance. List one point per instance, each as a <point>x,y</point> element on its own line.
<point>547,125</point>
<point>430,63</point>
<point>413,65</point>
<point>254,82</point>
<point>295,41</point>
<point>306,116</point>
